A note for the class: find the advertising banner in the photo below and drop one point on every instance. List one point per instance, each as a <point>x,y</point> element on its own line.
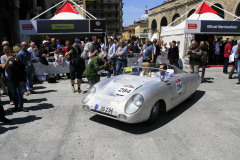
<point>63,26</point>
<point>28,27</point>
<point>35,27</point>
<point>232,27</point>
<point>193,26</point>
<point>97,26</point>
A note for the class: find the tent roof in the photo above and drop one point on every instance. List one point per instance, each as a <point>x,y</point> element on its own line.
<point>67,16</point>
<point>67,7</point>
<point>67,11</point>
<point>204,12</point>
<point>204,8</point>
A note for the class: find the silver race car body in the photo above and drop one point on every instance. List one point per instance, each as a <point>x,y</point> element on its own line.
<point>132,97</point>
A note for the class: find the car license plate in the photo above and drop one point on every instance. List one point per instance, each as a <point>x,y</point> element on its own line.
<point>123,91</point>
<point>103,109</point>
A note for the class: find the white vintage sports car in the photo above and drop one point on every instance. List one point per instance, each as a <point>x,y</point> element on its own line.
<point>140,94</point>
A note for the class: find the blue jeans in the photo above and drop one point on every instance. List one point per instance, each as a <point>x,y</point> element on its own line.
<point>16,91</point>
<point>113,62</point>
<point>29,71</point>
<point>238,70</point>
<point>120,64</point>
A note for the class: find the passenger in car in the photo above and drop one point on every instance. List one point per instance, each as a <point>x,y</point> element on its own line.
<point>144,72</point>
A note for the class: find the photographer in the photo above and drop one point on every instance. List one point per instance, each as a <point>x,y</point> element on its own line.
<point>77,65</point>
<point>194,54</point>
<point>97,63</point>
<point>16,78</point>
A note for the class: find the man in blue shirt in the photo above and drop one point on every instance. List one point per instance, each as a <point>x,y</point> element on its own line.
<point>147,51</point>
<point>25,57</point>
<point>235,63</point>
<point>121,56</point>
<point>112,48</point>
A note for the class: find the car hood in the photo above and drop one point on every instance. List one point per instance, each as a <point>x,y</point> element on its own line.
<point>128,82</point>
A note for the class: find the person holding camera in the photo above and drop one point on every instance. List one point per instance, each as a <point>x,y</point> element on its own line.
<point>194,54</point>
<point>97,63</point>
<point>77,65</point>
<point>16,77</point>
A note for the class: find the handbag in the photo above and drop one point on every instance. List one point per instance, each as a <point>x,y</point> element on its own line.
<point>231,58</point>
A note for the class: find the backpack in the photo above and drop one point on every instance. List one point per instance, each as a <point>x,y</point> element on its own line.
<point>87,48</point>
<point>43,60</point>
<point>18,71</point>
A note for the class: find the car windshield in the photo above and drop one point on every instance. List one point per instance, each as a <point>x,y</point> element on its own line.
<point>149,72</point>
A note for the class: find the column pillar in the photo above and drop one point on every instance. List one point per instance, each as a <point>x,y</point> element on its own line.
<point>14,6</point>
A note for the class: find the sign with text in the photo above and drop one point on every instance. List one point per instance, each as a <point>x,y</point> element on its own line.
<point>63,26</point>
<point>97,26</point>
<point>28,27</point>
<point>232,27</point>
<point>192,26</point>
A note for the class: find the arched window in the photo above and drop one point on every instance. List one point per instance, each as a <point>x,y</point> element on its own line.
<point>220,12</point>
<point>176,16</point>
<point>154,25</point>
<point>164,22</point>
<point>191,12</point>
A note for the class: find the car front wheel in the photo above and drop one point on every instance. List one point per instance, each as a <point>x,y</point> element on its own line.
<point>154,113</point>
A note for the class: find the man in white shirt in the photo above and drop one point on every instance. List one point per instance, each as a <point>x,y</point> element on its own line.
<point>112,48</point>
<point>33,50</point>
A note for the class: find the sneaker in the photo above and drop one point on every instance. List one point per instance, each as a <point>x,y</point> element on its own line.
<point>23,110</point>
<point>73,89</point>
<point>79,91</point>
<point>11,102</point>
<point>238,83</point>
<point>32,92</point>
<point>26,93</point>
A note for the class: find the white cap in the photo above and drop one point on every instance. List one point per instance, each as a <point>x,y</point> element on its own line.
<point>44,41</point>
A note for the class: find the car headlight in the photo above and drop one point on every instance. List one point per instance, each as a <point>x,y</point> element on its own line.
<point>134,103</point>
<point>89,94</point>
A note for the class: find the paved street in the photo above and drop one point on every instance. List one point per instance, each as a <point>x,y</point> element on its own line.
<point>56,127</point>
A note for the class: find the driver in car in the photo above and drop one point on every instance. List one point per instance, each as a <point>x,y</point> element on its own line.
<point>144,72</point>
<point>163,73</point>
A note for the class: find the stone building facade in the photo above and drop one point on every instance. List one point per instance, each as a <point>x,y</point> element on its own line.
<point>170,10</point>
<point>111,10</point>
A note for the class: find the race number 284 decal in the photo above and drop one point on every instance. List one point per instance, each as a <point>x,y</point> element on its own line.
<point>179,86</point>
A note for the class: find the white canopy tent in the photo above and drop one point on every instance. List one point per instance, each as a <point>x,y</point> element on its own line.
<point>177,33</point>
<point>204,21</point>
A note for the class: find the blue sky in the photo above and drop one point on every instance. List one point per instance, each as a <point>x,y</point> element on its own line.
<point>134,9</point>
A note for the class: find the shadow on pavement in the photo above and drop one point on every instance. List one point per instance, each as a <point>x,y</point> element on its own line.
<point>16,121</point>
<point>143,128</point>
<point>47,91</point>
<point>208,80</point>
<point>5,129</point>
<point>40,107</point>
<point>39,87</point>
<point>36,100</point>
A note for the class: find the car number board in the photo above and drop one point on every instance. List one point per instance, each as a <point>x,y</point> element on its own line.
<point>103,109</point>
<point>179,86</point>
<point>123,91</point>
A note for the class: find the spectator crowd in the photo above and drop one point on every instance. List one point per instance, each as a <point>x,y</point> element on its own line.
<point>89,57</point>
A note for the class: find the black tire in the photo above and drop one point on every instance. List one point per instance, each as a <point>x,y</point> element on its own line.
<point>154,113</point>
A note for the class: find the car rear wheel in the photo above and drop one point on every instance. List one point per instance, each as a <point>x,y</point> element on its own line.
<point>154,113</point>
